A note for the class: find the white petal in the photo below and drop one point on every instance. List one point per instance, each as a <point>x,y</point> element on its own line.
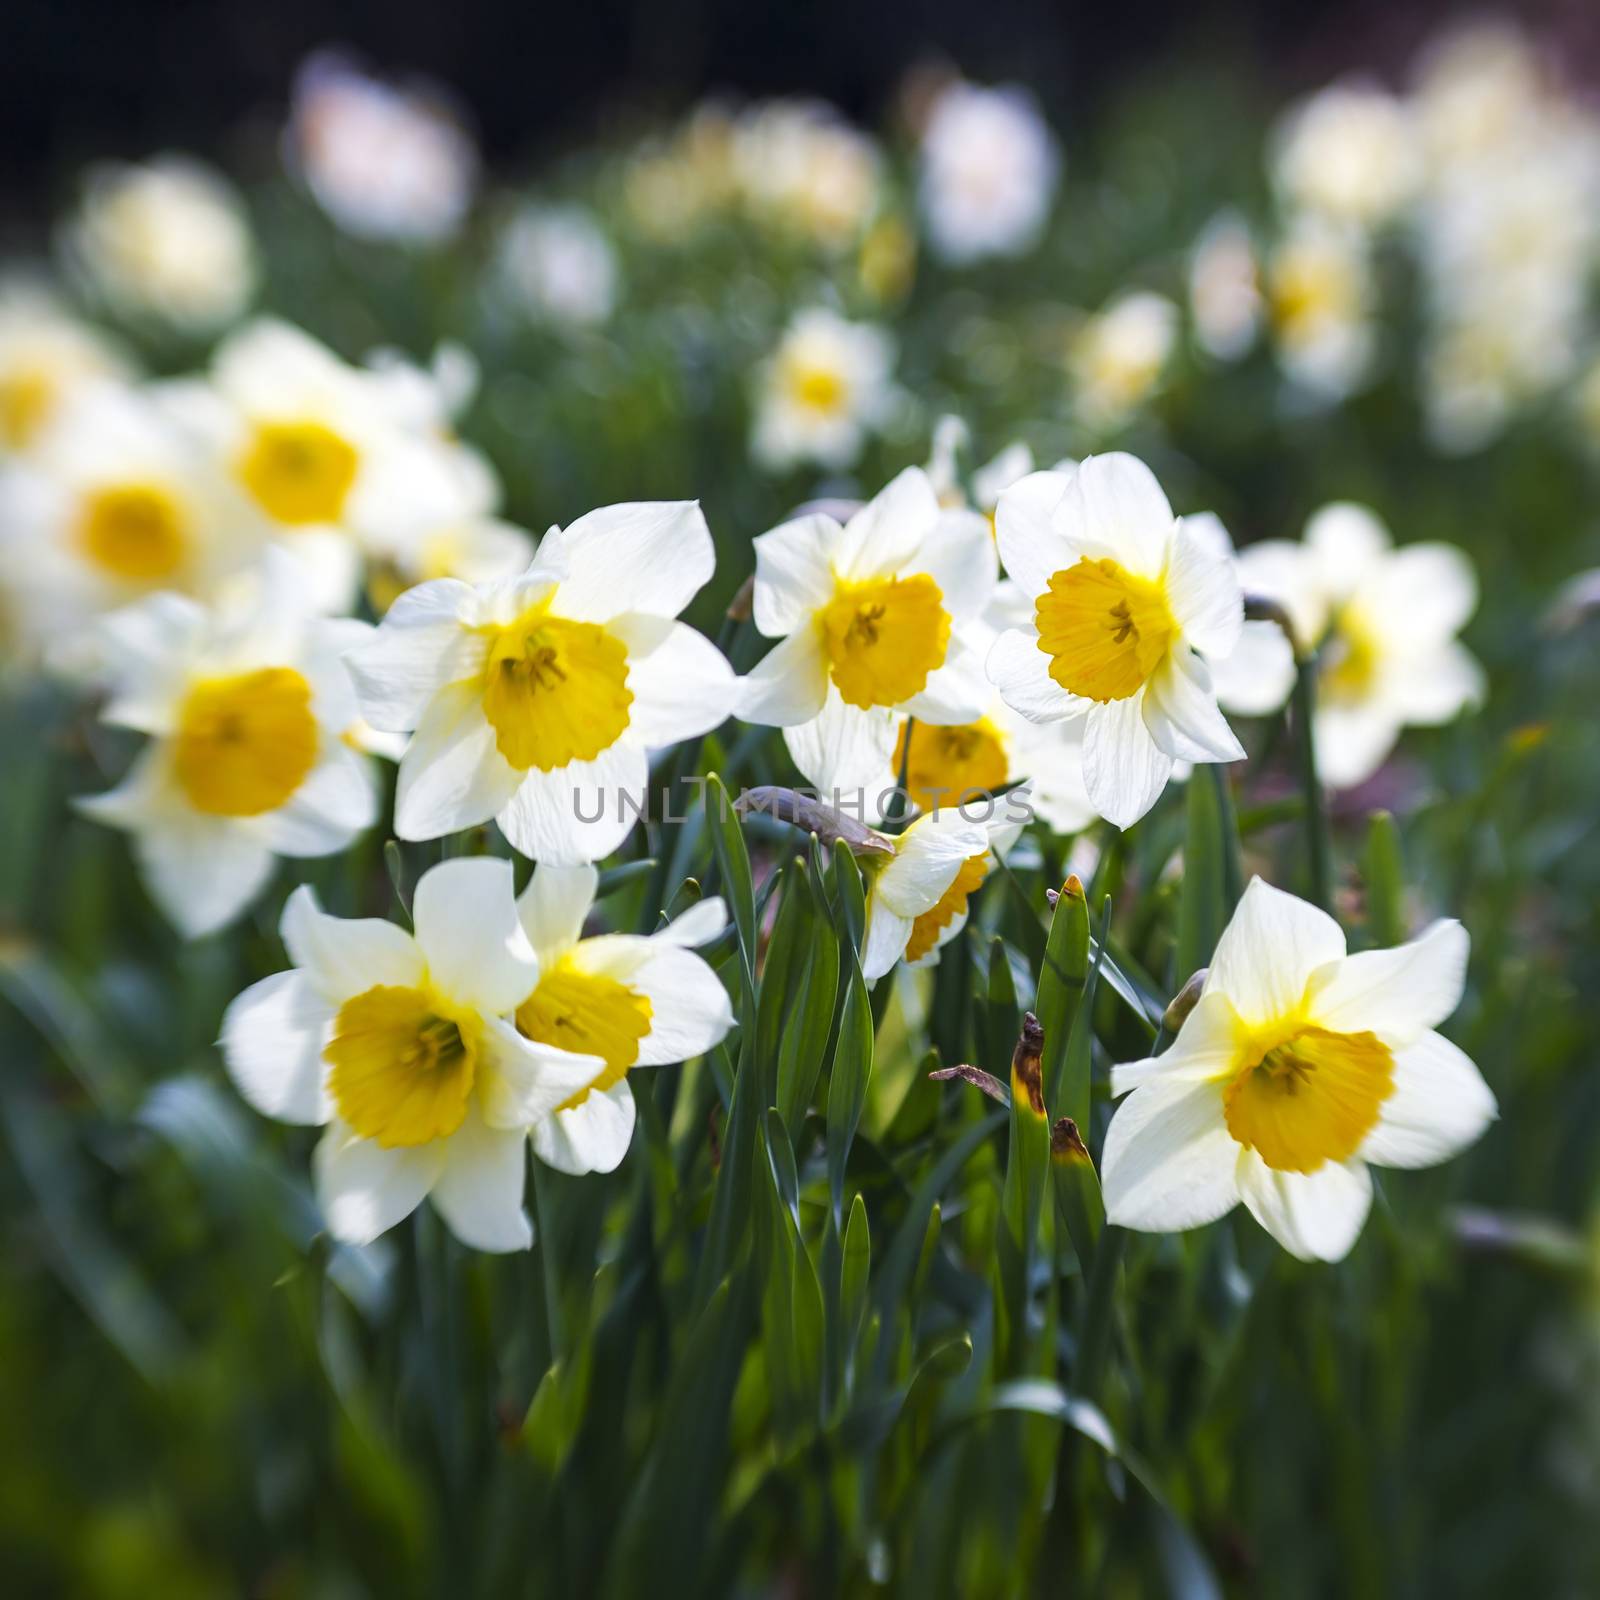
<point>1169,1161</point>
<point>452,775</point>
<point>1053,758</point>
<point>1346,542</point>
<point>479,1188</point>
<point>650,555</point>
<point>1123,767</point>
<point>960,557</point>
<point>337,801</point>
<point>343,956</point>
<point>957,691</point>
<point>1115,507</point>
<point>1207,1046</point>
<point>1256,677</point>
<point>794,573</point>
<point>700,924</point>
<point>844,752</point>
<point>579,812</point>
<point>1182,714</point>
<point>1316,1216</point>
<point>885,939</point>
<point>422,644</point>
<point>1031,546</point>
<point>1352,742</point>
<point>363,1189</point>
<point>272,1038</point>
<point>468,931</point>
<point>1020,670</point>
<point>1267,953</point>
<point>1397,994</point>
<point>1203,592</point>
<point>203,871</point>
<point>1429,590</point>
<point>682,688</point>
<point>1438,686</point>
<point>928,855</point>
<point>689,1008</point>
<point>1440,1105</point>
<point>554,907</point>
<point>524,1081</point>
<point>592,1137</point>
<point>789,684</point>
<point>886,535</point>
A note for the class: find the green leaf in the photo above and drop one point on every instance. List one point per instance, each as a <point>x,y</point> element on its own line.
<point>856,1270</point>
<point>805,1004</point>
<point>1061,984</point>
<point>1383,868</point>
<point>791,1298</point>
<point>847,1084</point>
<point>733,862</point>
<point>1203,907</point>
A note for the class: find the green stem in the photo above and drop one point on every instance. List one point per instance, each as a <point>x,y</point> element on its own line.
<point>1318,846</point>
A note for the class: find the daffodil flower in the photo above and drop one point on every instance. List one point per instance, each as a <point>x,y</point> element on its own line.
<point>871,617</point>
<point>926,862</point>
<point>1002,827</point>
<point>247,708</point>
<point>631,1001</point>
<point>1125,600</point>
<point>402,1047</point>
<point>535,700</point>
<point>45,355</point>
<point>1298,1066</point>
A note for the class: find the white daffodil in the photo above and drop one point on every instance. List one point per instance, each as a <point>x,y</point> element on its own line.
<point>1385,621</point>
<point>536,700</point>
<point>989,170</point>
<point>1125,601</point>
<point>402,1047</point>
<point>989,481</point>
<point>1002,827</point>
<point>1225,288</point>
<point>167,241</point>
<point>45,355</point>
<point>113,502</point>
<point>871,617</point>
<point>385,161</point>
<point>1298,1067</point>
<point>1118,357</point>
<point>1349,152</point>
<point>247,707</point>
<point>1319,303</point>
<point>555,265</point>
<point>928,859</point>
<point>825,388</point>
<point>630,1001</point>
<point>802,169</point>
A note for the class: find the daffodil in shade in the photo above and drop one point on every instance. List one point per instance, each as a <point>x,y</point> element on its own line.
<point>911,880</point>
<point>871,616</point>
<point>1298,1067</point>
<point>632,1001</point>
<point>1126,604</point>
<point>1002,821</point>
<point>536,699</point>
<point>248,707</point>
<point>402,1047</point>
<point>1384,622</point>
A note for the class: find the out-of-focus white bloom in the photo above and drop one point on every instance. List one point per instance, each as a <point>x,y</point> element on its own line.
<point>167,241</point>
<point>1349,153</point>
<point>403,1048</point>
<point>536,700</point>
<point>1118,357</point>
<point>558,266</point>
<point>802,169</point>
<point>385,161</point>
<point>989,482</point>
<point>1125,600</point>
<point>929,858</point>
<point>428,399</point>
<point>1319,297</point>
<point>630,1001</point>
<point>1477,88</point>
<point>671,186</point>
<point>1299,1066</point>
<point>247,707</point>
<point>989,170</point>
<point>44,355</point>
<point>872,617</point>
<point>826,386</point>
<point>114,501</point>
<point>1225,288</point>
<point>1386,622</point>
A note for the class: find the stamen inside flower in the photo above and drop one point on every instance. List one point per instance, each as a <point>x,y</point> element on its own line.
<point>820,389</point>
<point>1349,661</point>
<point>245,743</point>
<point>949,764</point>
<point>1105,630</point>
<point>1309,1097</point>
<point>555,690</point>
<point>883,638</point>
<point>299,472</point>
<point>926,929</point>
<point>134,531</point>
<point>403,1066</point>
<point>588,1015</point>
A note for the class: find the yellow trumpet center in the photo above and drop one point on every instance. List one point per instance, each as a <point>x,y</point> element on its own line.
<point>1309,1097</point>
<point>816,388</point>
<point>1349,661</point>
<point>926,929</point>
<point>245,743</point>
<point>26,396</point>
<point>299,472</point>
<point>1105,630</point>
<point>947,764</point>
<point>134,531</point>
<point>555,690</point>
<point>403,1066</point>
<point>883,637</point>
<point>588,1015</point>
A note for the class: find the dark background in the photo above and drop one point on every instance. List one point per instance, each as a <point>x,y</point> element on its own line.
<point>90,78</point>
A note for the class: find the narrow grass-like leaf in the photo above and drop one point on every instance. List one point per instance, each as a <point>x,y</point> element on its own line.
<point>1202,906</point>
<point>1383,868</point>
<point>1061,983</point>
